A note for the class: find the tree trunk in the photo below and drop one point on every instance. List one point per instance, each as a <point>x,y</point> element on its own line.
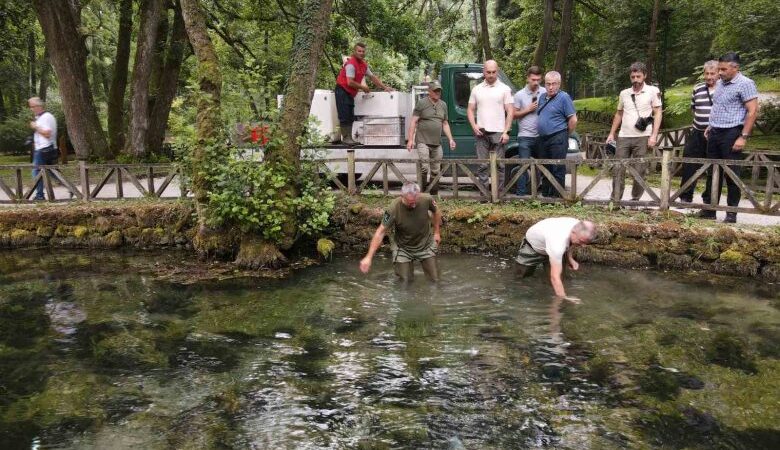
<point>544,38</point>
<point>210,81</point>
<point>308,45</point>
<point>485,33</point>
<point>652,41</point>
<point>43,87</point>
<point>2,106</point>
<point>150,13</point>
<point>475,30</point>
<point>69,58</point>
<point>564,40</point>
<point>158,58</point>
<point>116,93</point>
<point>158,120</point>
<point>31,60</point>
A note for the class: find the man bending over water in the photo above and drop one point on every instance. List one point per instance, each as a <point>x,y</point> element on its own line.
<point>551,240</point>
<point>408,219</point>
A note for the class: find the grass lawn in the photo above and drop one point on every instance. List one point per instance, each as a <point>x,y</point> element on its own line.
<point>14,159</point>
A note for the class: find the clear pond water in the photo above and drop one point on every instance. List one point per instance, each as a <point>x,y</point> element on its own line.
<point>95,353</point>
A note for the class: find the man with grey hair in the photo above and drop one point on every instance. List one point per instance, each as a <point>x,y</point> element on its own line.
<point>44,139</point>
<point>557,120</point>
<point>408,220</point>
<point>639,118</point>
<point>548,241</point>
<point>695,142</point>
<point>490,113</point>
<point>734,112</point>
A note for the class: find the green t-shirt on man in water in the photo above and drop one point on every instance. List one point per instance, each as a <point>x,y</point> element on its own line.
<point>410,228</point>
<point>431,119</point>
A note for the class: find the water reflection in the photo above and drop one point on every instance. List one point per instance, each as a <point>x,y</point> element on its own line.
<point>334,359</point>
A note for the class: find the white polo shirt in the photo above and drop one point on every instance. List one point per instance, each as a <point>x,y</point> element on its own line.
<point>551,237</point>
<point>45,121</point>
<point>648,98</point>
<point>491,101</point>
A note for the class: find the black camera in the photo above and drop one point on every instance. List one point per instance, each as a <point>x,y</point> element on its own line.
<point>643,122</point>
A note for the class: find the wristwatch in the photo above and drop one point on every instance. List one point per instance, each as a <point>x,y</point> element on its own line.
<point>744,136</point>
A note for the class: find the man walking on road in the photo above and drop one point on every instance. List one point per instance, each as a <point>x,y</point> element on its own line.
<point>733,114</point>
<point>45,140</point>
<point>408,219</point>
<point>525,103</point>
<point>639,118</point>
<point>490,114</point>
<point>695,142</point>
<point>348,83</point>
<point>429,119</point>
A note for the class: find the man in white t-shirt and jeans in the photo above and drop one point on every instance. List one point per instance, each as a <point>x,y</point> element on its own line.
<point>639,118</point>
<point>490,114</point>
<point>549,240</point>
<point>44,138</point>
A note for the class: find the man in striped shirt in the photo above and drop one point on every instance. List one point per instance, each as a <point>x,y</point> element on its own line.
<point>695,142</point>
<point>734,111</point>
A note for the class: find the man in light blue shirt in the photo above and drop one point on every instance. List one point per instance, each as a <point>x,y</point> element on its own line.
<point>734,111</point>
<point>557,119</point>
<point>526,101</point>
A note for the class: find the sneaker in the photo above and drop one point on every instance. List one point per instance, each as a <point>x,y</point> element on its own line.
<point>706,214</point>
<point>730,218</point>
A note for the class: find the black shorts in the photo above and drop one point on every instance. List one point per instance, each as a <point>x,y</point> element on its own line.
<point>345,106</point>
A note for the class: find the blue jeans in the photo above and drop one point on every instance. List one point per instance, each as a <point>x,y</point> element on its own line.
<point>527,147</point>
<point>43,157</point>
<point>554,146</point>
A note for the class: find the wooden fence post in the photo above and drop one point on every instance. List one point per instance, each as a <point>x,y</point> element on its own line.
<point>84,181</point>
<point>351,184</point>
<point>493,177</point>
<point>666,177</point>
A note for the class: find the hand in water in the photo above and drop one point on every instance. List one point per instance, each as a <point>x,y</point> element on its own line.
<point>574,265</point>
<point>572,299</point>
<point>365,264</point>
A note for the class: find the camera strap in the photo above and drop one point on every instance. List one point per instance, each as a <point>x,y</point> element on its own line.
<point>633,99</point>
<point>547,102</point>
<point>709,96</point>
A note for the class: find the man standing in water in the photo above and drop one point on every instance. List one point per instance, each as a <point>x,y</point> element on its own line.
<point>408,219</point>
<point>550,240</point>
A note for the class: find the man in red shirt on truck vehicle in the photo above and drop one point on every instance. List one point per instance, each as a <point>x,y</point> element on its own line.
<point>348,83</point>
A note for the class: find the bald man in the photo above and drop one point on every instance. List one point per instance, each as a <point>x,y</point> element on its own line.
<point>490,113</point>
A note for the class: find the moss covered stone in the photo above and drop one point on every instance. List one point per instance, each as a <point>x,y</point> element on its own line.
<point>80,231</point>
<point>130,350</point>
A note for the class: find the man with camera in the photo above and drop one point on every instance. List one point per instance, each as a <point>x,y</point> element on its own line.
<point>526,102</point>
<point>733,114</point>
<point>639,118</point>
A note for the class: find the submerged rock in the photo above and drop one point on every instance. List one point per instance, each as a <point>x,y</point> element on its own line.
<point>730,350</point>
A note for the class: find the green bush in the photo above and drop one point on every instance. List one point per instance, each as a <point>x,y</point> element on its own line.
<point>253,195</point>
<point>14,131</point>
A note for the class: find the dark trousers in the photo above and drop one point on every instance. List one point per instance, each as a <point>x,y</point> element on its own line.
<point>43,157</point>
<point>695,147</point>
<point>527,147</point>
<point>720,146</point>
<point>554,146</point>
<point>345,107</point>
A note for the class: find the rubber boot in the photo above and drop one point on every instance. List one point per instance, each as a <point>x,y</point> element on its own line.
<point>346,135</point>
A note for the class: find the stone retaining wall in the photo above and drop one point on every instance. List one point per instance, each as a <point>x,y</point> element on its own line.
<point>672,244</point>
